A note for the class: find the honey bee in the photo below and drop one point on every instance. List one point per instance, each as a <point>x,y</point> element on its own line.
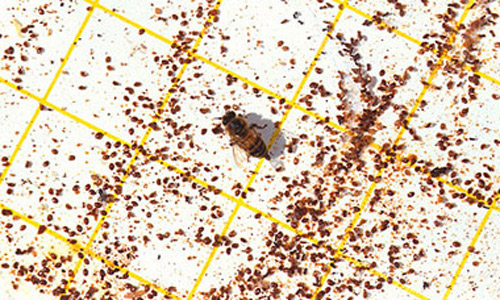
<point>245,140</point>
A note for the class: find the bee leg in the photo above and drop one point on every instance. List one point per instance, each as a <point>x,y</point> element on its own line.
<point>252,126</point>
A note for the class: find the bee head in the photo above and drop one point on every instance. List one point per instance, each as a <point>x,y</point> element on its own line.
<point>228,117</point>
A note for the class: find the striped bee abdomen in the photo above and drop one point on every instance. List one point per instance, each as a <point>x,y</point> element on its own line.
<point>255,145</point>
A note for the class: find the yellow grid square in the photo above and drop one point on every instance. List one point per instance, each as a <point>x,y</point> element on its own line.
<point>33,265</point>
<point>482,268</point>
<point>190,134</point>
<point>172,247</point>
<point>57,173</point>
<point>117,77</point>
<point>284,37</point>
<point>414,231</point>
<point>305,195</point>
<point>349,280</point>
<point>254,242</point>
<point>458,128</point>
<point>397,74</point>
<point>32,35</point>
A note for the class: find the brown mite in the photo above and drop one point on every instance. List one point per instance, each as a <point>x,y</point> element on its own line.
<point>244,139</point>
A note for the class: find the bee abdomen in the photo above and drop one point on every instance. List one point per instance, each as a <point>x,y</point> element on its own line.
<point>258,149</point>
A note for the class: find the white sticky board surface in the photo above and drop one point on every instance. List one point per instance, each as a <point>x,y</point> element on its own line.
<point>416,237</point>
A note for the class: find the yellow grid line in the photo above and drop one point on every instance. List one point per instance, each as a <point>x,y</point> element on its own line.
<point>134,275</point>
<point>243,79</point>
<point>419,101</point>
<point>399,136</point>
<point>206,185</point>
<point>358,214</point>
<point>137,152</point>
<point>190,52</point>
<point>414,40</point>
<point>347,232</point>
<point>132,23</point>
<point>471,246</point>
<point>81,121</point>
<point>213,252</point>
<point>268,216</point>
<point>296,106</point>
<point>448,183</point>
<point>20,89</point>
<point>35,224</point>
<point>45,96</point>
<point>483,75</point>
<point>96,230</point>
<point>398,157</point>
<point>70,51</point>
<point>277,96</point>
<point>434,72</point>
<point>226,71</point>
<point>168,165</point>
<point>382,275</point>
<point>384,24</point>
<point>263,89</point>
<point>77,247</point>
<point>62,111</point>
<point>233,199</point>
<point>283,225</point>
<point>273,138</point>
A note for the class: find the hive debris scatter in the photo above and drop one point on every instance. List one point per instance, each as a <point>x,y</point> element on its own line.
<point>117,181</point>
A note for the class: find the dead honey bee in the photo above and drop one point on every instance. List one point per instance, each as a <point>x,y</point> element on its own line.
<point>245,140</point>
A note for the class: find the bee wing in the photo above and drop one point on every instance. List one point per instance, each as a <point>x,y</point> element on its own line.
<point>240,156</point>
